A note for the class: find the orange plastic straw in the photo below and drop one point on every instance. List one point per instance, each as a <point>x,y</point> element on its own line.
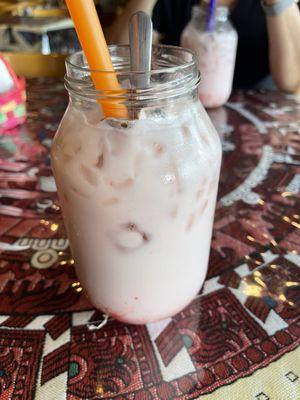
<point>92,40</point>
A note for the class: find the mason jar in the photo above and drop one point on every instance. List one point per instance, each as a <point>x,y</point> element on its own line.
<point>138,193</point>
<point>215,43</point>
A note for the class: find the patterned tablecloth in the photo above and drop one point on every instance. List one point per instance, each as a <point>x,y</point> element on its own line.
<point>237,340</point>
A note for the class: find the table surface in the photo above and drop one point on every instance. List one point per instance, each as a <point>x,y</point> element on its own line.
<point>244,323</point>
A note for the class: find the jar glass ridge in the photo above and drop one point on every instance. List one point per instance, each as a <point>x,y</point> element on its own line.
<point>174,74</point>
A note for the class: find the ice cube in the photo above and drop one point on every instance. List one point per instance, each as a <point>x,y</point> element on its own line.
<point>89,175</point>
<point>79,192</point>
<point>100,160</point>
<point>122,184</point>
<point>174,211</point>
<point>158,149</point>
<point>110,201</point>
<point>131,237</point>
<point>202,208</point>
<point>190,222</point>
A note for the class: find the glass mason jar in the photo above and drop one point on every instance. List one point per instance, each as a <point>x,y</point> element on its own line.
<point>138,194</point>
<point>215,45</point>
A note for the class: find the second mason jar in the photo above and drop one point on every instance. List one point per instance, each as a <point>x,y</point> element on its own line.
<point>138,194</point>
<point>215,43</point>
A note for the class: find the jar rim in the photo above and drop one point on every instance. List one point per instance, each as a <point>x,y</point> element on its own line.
<point>128,73</point>
<point>175,73</point>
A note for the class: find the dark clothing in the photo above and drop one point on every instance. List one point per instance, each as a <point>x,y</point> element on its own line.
<point>170,18</point>
<point>252,63</point>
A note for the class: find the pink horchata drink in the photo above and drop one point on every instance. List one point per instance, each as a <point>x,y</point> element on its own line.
<point>138,194</point>
<point>216,53</point>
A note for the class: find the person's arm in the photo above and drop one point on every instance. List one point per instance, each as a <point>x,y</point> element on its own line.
<point>118,31</point>
<point>284,48</point>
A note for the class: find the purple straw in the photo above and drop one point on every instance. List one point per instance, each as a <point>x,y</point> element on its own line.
<point>210,23</point>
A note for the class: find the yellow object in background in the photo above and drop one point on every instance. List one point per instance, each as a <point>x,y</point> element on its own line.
<point>33,65</point>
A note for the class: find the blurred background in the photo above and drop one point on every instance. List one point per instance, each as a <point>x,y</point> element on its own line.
<point>44,26</point>
<point>36,35</point>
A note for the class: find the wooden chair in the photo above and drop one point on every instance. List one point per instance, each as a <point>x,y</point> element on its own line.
<point>33,65</point>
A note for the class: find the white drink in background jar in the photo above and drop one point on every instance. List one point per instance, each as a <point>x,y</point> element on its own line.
<point>216,52</point>
<point>138,198</point>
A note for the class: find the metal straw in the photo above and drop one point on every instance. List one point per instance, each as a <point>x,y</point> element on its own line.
<point>140,41</point>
